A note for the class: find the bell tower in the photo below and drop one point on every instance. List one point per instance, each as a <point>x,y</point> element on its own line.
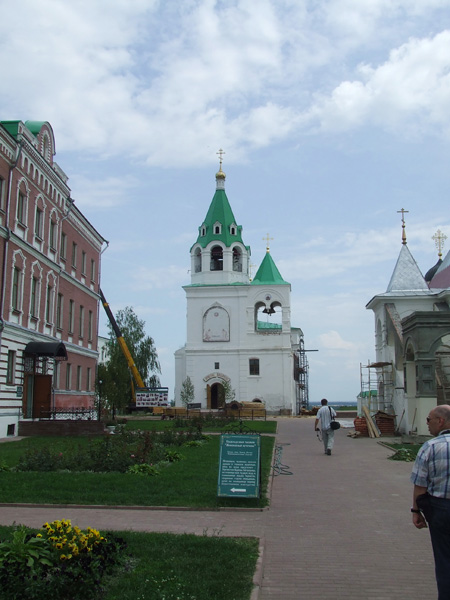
<point>219,256</point>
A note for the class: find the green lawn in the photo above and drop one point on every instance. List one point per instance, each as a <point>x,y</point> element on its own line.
<point>189,482</point>
<point>166,566</point>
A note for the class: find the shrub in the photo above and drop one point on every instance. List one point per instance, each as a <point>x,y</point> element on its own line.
<point>61,562</point>
<point>403,454</point>
<point>143,469</point>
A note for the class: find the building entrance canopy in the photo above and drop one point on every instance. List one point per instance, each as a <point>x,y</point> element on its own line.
<point>57,350</point>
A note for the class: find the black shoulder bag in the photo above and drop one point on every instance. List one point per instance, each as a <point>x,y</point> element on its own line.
<point>334,424</point>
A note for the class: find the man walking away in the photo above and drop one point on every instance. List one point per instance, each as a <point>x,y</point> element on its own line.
<point>325,415</point>
<point>431,496</point>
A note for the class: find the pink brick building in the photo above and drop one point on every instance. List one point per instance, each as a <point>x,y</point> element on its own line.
<point>49,281</point>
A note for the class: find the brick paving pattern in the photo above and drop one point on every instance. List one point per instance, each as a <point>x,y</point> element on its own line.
<point>338,528</point>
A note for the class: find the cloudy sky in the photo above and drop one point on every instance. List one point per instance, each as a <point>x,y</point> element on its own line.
<point>334,115</point>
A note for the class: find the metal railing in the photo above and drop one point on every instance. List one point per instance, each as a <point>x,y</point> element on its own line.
<point>73,413</point>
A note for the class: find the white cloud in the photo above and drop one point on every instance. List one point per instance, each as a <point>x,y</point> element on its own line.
<point>333,341</point>
<point>163,82</point>
<point>165,277</point>
<point>411,89</point>
<point>102,193</point>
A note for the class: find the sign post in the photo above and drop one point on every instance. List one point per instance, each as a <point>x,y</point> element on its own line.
<point>239,466</point>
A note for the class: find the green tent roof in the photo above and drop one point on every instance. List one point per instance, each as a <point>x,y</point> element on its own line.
<point>219,212</point>
<point>268,273</point>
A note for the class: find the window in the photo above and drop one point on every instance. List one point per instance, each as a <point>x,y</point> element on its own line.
<point>83,263</point>
<point>92,270</point>
<point>81,324</point>
<point>21,208</point>
<point>88,379</point>
<point>63,246</point>
<point>52,237</point>
<point>197,260</point>
<point>2,192</point>
<point>90,325</point>
<point>48,304</point>
<point>216,259</point>
<point>68,376</point>
<point>237,259</point>
<point>11,368</point>
<point>216,366</point>
<point>254,366</point>
<point>71,315</point>
<point>34,297</point>
<point>38,223</point>
<point>57,374</point>
<point>74,255</point>
<point>59,311</point>
<point>16,296</point>
<point>79,375</point>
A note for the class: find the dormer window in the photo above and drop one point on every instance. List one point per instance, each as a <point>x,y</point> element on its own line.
<point>217,228</point>
<point>203,231</point>
<point>233,230</point>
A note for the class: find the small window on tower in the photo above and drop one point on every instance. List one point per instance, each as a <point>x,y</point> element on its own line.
<point>203,230</point>
<point>216,366</point>
<point>254,366</point>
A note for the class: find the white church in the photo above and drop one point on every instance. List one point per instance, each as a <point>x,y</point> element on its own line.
<point>412,340</point>
<point>238,328</point>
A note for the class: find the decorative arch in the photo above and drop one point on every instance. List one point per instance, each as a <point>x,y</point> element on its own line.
<point>216,263</point>
<point>268,315</point>
<point>18,265</point>
<point>197,260</point>
<point>215,391</point>
<point>237,259</point>
<point>216,325</point>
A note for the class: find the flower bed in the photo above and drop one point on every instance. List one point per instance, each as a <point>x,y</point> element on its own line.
<point>61,561</point>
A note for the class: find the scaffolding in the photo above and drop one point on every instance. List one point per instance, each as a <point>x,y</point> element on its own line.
<point>301,377</point>
<point>377,386</point>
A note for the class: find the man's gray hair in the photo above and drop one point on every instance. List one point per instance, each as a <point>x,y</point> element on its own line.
<point>443,410</point>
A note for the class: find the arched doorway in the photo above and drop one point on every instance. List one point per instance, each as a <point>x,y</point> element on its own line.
<point>217,396</point>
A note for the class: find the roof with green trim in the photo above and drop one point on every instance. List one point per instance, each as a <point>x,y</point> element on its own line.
<point>219,213</point>
<point>12,127</point>
<point>35,126</point>
<point>268,273</point>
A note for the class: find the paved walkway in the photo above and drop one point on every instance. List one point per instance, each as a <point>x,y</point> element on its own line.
<point>338,528</point>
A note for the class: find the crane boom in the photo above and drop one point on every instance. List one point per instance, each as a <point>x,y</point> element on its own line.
<point>123,346</point>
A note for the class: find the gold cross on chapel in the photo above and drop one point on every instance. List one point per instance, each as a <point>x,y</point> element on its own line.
<point>403,211</point>
<point>439,239</point>
<point>220,153</point>
<point>267,240</point>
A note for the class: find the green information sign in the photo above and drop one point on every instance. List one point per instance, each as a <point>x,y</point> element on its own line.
<point>239,466</point>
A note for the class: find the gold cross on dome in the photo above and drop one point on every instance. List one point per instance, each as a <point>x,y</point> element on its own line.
<point>267,240</point>
<point>439,239</point>
<point>221,153</point>
<point>403,211</point>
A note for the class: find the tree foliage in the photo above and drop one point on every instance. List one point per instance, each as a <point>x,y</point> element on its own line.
<point>187,393</point>
<point>229,394</point>
<point>116,387</point>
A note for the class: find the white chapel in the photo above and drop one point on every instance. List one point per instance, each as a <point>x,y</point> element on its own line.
<point>238,329</point>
